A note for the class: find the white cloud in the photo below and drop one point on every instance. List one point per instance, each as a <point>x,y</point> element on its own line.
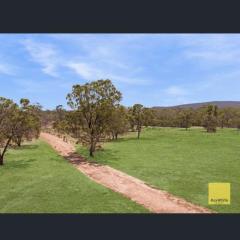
<point>91,72</point>
<point>105,56</point>
<point>6,69</point>
<point>176,91</point>
<point>44,54</point>
<point>212,50</point>
<point>94,58</point>
<point>84,70</point>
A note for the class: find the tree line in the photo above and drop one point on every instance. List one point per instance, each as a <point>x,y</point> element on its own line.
<point>18,122</point>
<point>209,116</point>
<point>96,115</point>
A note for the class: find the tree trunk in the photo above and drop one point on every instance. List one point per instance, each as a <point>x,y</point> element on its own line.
<point>92,148</point>
<point>139,133</point>
<point>19,141</point>
<point>4,151</point>
<point>116,136</point>
<point>91,152</point>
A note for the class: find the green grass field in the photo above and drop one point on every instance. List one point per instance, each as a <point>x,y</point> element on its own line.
<point>35,179</point>
<point>179,161</point>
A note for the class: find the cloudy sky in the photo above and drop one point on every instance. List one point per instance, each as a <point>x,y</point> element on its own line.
<point>152,69</point>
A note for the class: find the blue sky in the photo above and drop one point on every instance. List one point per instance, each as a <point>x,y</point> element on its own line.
<point>152,69</point>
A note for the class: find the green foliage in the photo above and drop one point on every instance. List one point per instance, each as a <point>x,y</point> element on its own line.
<point>8,124</point>
<point>185,118</point>
<point>137,117</point>
<point>17,123</point>
<point>60,124</point>
<point>24,102</point>
<point>148,117</point>
<point>29,122</point>
<point>95,102</point>
<point>118,122</point>
<point>227,117</point>
<point>210,120</point>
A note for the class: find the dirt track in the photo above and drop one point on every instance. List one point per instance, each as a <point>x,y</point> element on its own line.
<point>155,200</point>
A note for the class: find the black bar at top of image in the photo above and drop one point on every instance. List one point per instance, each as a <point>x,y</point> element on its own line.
<point>118,16</point>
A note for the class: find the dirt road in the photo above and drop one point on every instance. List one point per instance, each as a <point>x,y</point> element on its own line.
<point>155,200</point>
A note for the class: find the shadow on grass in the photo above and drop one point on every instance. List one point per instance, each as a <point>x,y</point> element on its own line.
<point>103,156</point>
<point>186,130</point>
<point>24,147</point>
<point>99,157</point>
<point>133,139</point>
<point>18,163</point>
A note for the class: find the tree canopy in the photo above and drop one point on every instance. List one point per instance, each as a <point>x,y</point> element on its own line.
<point>17,122</point>
<point>95,102</point>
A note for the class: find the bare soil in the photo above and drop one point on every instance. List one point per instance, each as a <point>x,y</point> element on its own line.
<point>156,200</point>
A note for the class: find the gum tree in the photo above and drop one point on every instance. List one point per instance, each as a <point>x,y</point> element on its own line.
<point>8,124</point>
<point>16,123</point>
<point>210,120</point>
<point>137,113</point>
<point>94,101</point>
<point>29,122</point>
<point>118,122</point>
<point>185,118</point>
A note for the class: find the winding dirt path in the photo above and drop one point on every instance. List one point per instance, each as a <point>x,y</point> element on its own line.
<point>155,200</point>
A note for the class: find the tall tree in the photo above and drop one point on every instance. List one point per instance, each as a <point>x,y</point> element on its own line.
<point>138,116</point>
<point>60,112</point>
<point>29,122</point>
<point>8,124</point>
<point>210,118</point>
<point>131,119</point>
<point>74,122</point>
<point>185,118</point>
<point>118,122</point>
<point>17,122</point>
<point>95,101</point>
<point>60,124</point>
<point>226,116</point>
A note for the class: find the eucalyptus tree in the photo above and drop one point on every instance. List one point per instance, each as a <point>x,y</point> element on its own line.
<point>28,116</point>
<point>118,121</point>
<point>148,117</point>
<point>185,118</point>
<point>95,102</point>
<point>210,120</point>
<point>8,124</point>
<point>17,122</point>
<point>137,114</point>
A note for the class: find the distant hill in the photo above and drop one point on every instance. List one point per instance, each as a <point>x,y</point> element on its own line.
<point>220,104</point>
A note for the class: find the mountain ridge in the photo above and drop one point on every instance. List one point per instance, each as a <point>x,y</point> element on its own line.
<point>220,104</point>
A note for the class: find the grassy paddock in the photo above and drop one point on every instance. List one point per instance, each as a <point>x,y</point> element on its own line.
<point>35,179</point>
<point>179,161</point>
